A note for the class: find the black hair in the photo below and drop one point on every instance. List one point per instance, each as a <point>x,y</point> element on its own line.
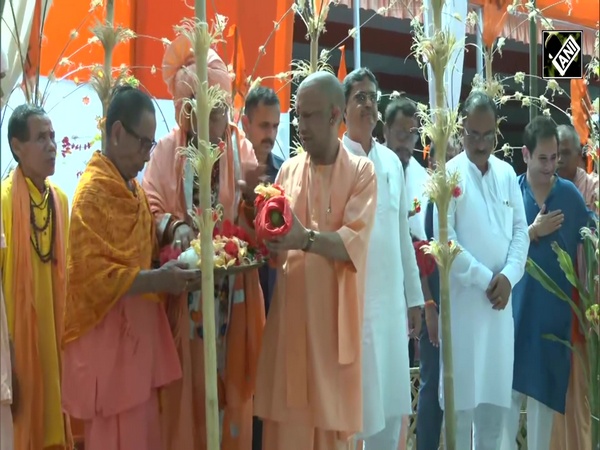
<point>18,124</point>
<point>356,76</point>
<point>478,101</point>
<point>540,128</point>
<point>403,105</point>
<point>260,95</point>
<point>570,133</point>
<point>127,106</point>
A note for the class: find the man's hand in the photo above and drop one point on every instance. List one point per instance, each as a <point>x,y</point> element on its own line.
<point>252,178</point>
<point>545,224</point>
<point>183,236</point>
<point>296,239</point>
<point>432,323</point>
<point>414,321</point>
<point>175,278</point>
<point>499,291</point>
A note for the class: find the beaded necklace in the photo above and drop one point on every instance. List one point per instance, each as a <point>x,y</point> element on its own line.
<point>38,230</point>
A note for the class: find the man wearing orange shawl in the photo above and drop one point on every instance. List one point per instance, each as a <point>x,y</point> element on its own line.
<point>308,390</point>
<point>35,218</point>
<point>572,431</point>
<point>172,192</point>
<point>118,346</point>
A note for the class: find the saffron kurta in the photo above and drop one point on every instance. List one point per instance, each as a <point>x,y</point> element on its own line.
<point>392,286</point>
<point>118,347</point>
<point>416,177</point>
<point>488,222</point>
<point>6,426</point>
<point>40,421</point>
<point>309,373</point>
<point>542,366</point>
<point>169,184</point>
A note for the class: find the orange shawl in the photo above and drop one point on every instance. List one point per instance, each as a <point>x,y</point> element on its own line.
<point>110,227</point>
<point>29,421</point>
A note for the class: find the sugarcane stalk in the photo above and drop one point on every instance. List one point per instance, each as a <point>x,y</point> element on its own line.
<point>314,52</point>
<point>441,143</point>
<point>204,170</point>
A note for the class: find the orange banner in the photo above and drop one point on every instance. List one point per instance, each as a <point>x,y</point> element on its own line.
<point>342,72</point>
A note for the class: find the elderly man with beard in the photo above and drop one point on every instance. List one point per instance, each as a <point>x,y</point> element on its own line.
<point>401,131</point>
<point>393,288</point>
<point>309,374</point>
<point>172,191</point>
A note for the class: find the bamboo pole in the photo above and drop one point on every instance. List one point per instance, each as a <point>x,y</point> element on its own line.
<point>533,62</point>
<point>441,133</point>
<point>204,170</point>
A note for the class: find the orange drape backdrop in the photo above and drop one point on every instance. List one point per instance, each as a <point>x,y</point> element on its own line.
<point>585,12</point>
<point>153,20</point>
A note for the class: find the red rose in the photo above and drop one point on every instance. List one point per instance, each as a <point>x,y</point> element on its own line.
<point>418,209</point>
<point>456,192</point>
<point>169,253</point>
<point>231,248</point>
<point>274,219</point>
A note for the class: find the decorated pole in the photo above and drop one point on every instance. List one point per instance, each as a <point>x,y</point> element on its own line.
<point>204,162</point>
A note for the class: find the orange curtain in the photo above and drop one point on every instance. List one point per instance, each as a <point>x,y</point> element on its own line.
<point>585,12</point>
<point>494,16</point>
<point>238,66</point>
<point>157,18</point>
<point>66,34</point>
<point>342,72</point>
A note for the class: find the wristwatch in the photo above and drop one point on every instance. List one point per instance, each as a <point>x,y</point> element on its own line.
<point>311,239</point>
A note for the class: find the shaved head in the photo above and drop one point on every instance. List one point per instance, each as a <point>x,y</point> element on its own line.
<point>328,85</point>
<point>320,105</point>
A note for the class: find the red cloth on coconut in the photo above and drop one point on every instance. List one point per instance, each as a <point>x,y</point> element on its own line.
<point>263,225</point>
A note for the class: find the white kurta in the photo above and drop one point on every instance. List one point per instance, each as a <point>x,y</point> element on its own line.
<point>416,181</point>
<point>488,221</point>
<point>392,285</point>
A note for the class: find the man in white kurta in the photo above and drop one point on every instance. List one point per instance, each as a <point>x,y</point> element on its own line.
<point>393,289</point>
<point>401,134</point>
<point>488,222</point>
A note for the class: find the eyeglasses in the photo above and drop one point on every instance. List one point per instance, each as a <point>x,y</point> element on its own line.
<point>361,97</point>
<point>488,138</point>
<point>145,143</point>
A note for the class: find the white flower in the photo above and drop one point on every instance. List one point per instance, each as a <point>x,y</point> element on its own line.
<point>520,77</point>
<point>472,18</point>
<point>500,43</point>
<point>504,99</point>
<point>518,95</point>
<point>543,101</point>
<point>552,85</point>
<point>295,122</point>
<point>546,112</point>
<point>394,94</point>
<point>526,101</point>
<point>352,32</point>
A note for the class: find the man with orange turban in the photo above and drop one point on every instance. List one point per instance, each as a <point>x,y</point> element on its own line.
<point>172,191</point>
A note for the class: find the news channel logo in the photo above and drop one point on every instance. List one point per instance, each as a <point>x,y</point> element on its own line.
<point>562,57</point>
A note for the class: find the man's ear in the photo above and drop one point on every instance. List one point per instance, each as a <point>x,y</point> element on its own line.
<point>526,154</point>
<point>16,147</point>
<point>245,123</point>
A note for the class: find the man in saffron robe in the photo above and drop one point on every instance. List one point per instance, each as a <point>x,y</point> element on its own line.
<point>393,289</point>
<point>556,212</point>
<point>572,431</point>
<point>35,219</point>
<point>118,346</point>
<point>170,184</point>
<point>309,383</point>
<point>6,426</point>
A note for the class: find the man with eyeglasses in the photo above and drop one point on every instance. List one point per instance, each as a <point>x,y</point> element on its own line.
<point>401,131</point>
<point>393,298</point>
<point>172,188</point>
<point>488,222</point>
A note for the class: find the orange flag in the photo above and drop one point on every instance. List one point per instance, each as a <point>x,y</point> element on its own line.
<point>238,62</point>
<point>31,67</point>
<point>580,109</point>
<point>342,72</point>
<point>494,16</point>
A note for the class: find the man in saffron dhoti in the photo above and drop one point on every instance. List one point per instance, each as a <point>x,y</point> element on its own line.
<point>488,222</point>
<point>572,431</point>
<point>309,390</point>
<point>393,289</point>
<point>35,217</point>
<point>556,212</point>
<point>118,346</point>
<point>172,190</point>
<point>6,425</point>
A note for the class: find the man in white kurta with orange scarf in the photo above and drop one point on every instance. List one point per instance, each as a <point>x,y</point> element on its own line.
<point>393,286</point>
<point>170,183</point>
<point>308,389</point>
